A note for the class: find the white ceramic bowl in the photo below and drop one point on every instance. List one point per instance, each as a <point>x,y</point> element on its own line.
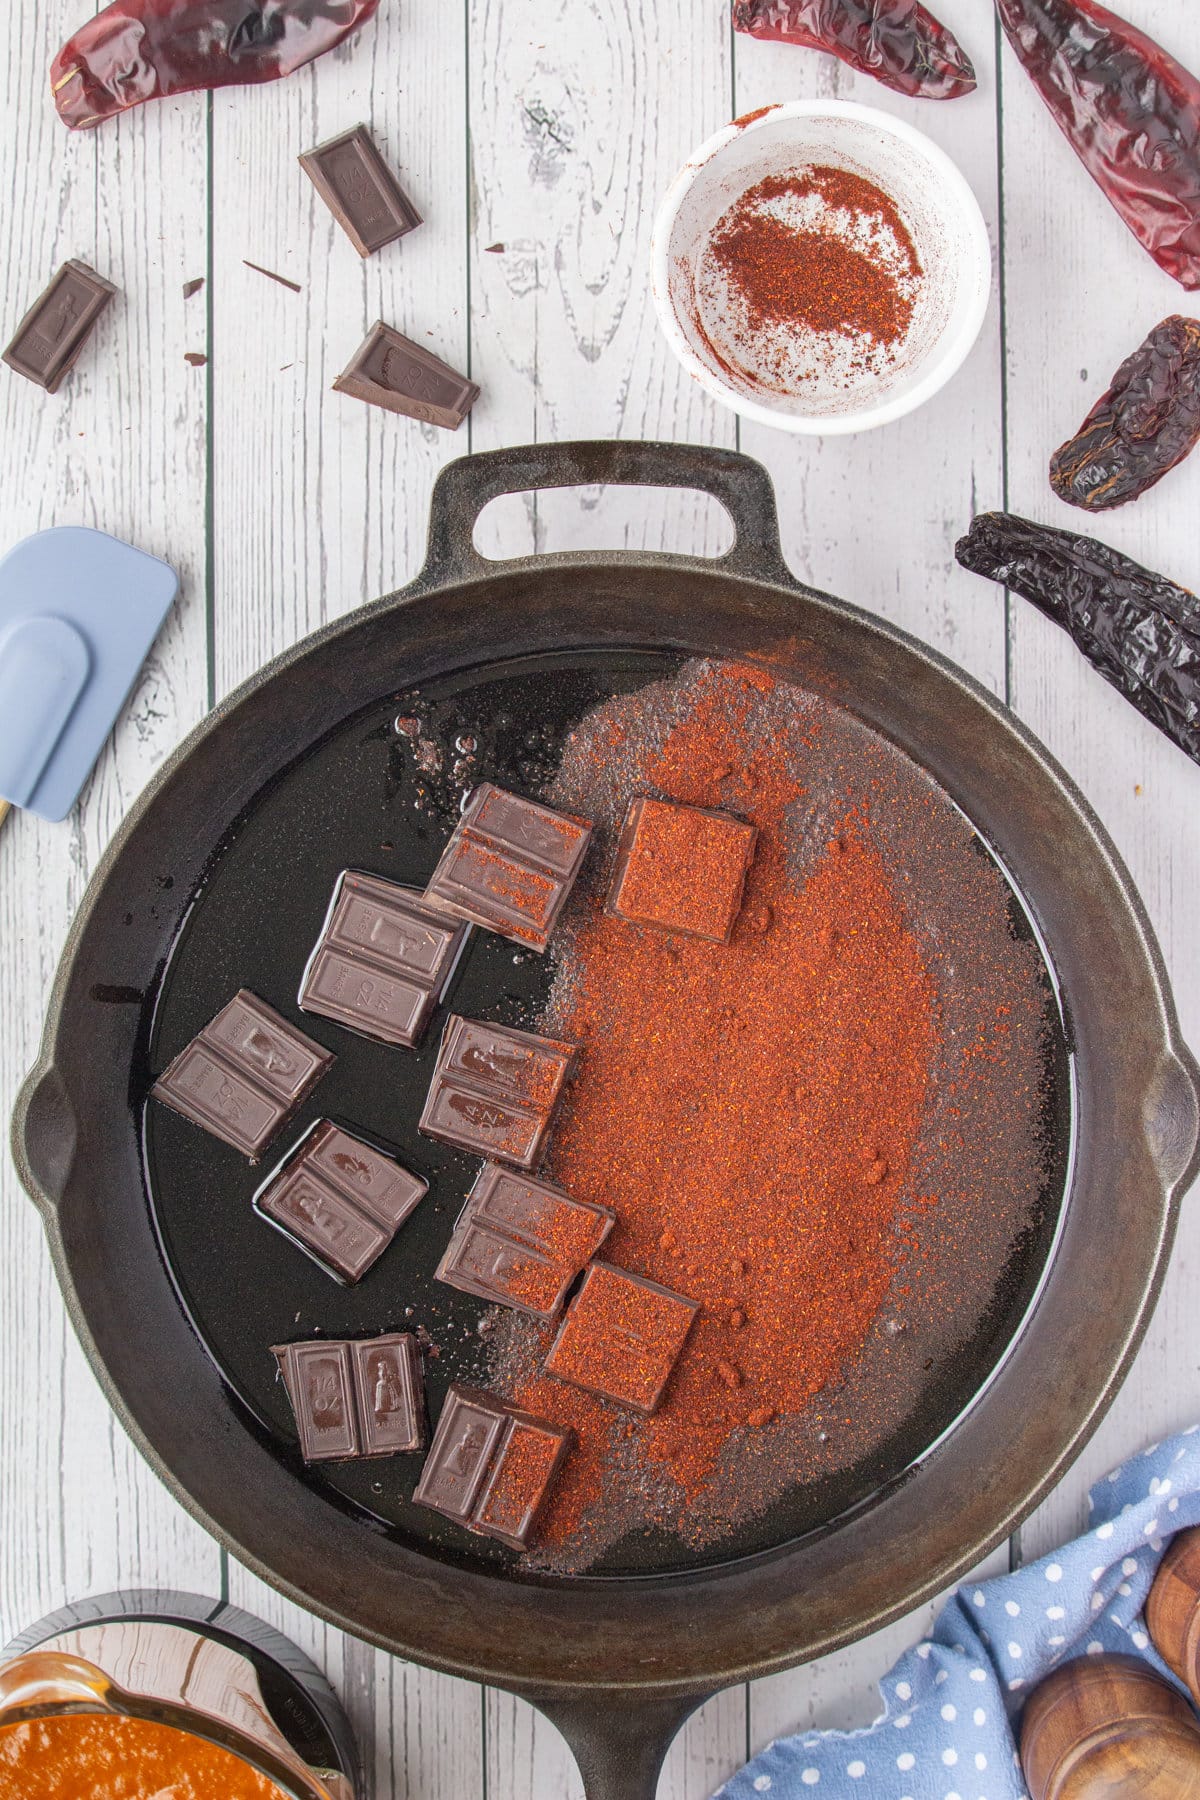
<point>937,205</point>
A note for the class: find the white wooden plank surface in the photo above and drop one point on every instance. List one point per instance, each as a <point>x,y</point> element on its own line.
<point>549,127</point>
<point>320,502</point>
<point>1095,298</point>
<point>123,448</point>
<point>580,115</point>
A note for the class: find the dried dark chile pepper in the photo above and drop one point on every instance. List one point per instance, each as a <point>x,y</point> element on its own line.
<point>1146,423</point>
<point>897,41</point>
<point>139,50</point>
<point>1141,631</point>
<point>1130,112</point>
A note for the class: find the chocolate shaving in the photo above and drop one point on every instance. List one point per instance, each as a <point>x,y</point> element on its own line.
<point>270,274</point>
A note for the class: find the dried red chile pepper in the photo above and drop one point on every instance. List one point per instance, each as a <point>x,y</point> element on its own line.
<point>1130,112</point>
<point>139,50</point>
<point>1146,423</point>
<point>1141,631</point>
<point>897,41</point>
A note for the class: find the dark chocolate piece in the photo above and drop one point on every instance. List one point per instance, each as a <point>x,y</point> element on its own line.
<point>494,1090</point>
<point>491,1467</point>
<point>621,1337</point>
<point>245,1074</point>
<point>53,332</point>
<point>340,1199</point>
<point>521,1242</point>
<point>461,1454</point>
<point>319,1378</point>
<point>360,190</point>
<point>358,1398</point>
<point>390,370</point>
<point>383,961</point>
<point>682,868</point>
<point>391,1400</point>
<point>510,865</point>
<point>525,1467</point>
<point>283,280</point>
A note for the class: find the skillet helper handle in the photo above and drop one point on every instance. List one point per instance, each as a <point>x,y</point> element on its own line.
<point>740,484</point>
<point>44,1137</point>
<point>619,1739</point>
<point>1172,1116</point>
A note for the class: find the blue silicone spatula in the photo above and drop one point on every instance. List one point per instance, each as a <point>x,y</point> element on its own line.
<point>79,611</point>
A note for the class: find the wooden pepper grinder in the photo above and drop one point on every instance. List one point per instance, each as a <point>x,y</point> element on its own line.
<point>1173,1610</point>
<point>1105,1728</point>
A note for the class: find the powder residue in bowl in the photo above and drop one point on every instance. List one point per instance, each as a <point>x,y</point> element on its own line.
<point>809,277</point>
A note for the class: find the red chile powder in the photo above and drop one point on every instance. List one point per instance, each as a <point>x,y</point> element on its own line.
<point>745,1194</point>
<point>814,277</point>
<point>752,1111</point>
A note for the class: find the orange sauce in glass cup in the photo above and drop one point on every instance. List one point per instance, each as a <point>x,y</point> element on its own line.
<point>100,1756</point>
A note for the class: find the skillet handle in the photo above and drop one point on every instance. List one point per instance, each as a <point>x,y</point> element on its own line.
<point>619,1739</point>
<point>742,486</point>
<point>44,1137</point>
<point>1173,1119</point>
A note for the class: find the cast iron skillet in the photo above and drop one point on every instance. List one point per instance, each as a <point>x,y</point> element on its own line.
<point>617,1664</point>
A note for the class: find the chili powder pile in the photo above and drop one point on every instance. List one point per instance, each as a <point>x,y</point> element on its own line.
<point>767,1116</point>
<point>809,276</point>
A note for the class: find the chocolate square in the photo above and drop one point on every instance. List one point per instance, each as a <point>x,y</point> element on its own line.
<point>340,1199</point>
<point>319,1378</point>
<point>391,1400</point>
<point>512,1065</point>
<point>352,1399</point>
<point>244,1076</point>
<point>460,1116</point>
<point>491,1467</point>
<point>521,1242</point>
<point>322,1222</point>
<point>461,1454</point>
<point>494,1090</point>
<point>52,334</point>
<point>267,1049</point>
<point>510,865</point>
<point>208,1092</point>
<point>681,868</point>
<point>360,190</point>
<point>383,961</point>
<point>525,1467</point>
<point>378,1184</point>
<point>391,371</point>
<point>385,1007</point>
<point>621,1337</point>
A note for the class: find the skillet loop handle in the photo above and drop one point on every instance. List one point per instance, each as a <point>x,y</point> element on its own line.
<point>45,1135</point>
<point>619,1739</point>
<point>1172,1116</point>
<point>741,485</point>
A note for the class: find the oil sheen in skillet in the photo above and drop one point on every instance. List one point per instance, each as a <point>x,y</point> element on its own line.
<point>351,802</point>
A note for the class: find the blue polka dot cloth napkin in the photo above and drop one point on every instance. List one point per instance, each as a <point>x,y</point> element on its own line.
<point>952,1702</point>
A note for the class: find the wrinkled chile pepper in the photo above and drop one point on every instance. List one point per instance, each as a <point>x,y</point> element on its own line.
<point>1130,112</point>
<point>897,41</point>
<point>1146,423</point>
<point>139,50</point>
<point>1141,631</point>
